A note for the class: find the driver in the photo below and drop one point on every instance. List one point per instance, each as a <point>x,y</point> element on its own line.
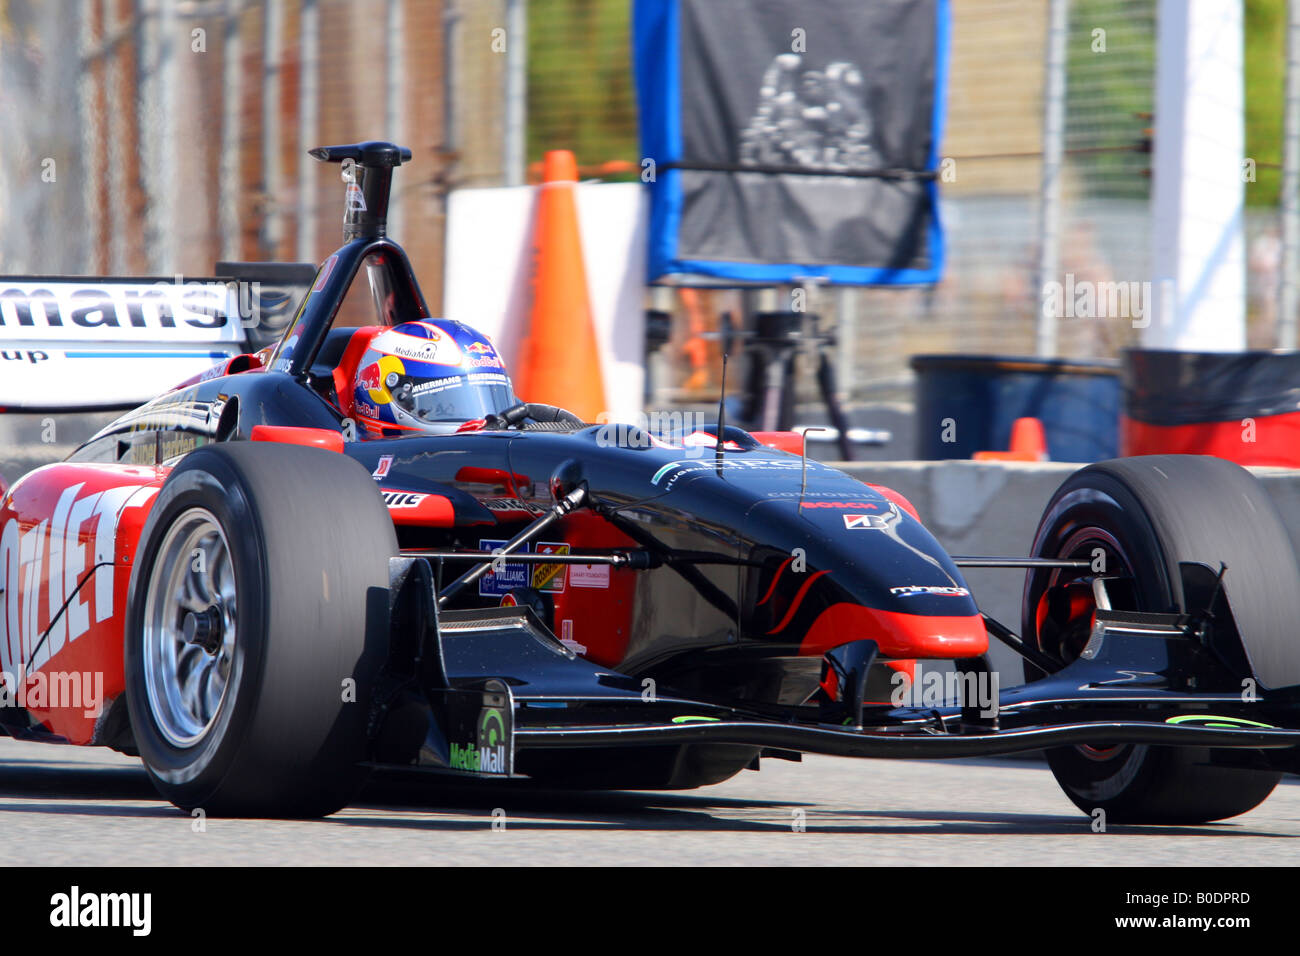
<point>432,376</point>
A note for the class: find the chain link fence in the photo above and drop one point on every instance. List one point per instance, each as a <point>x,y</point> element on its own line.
<point>155,136</point>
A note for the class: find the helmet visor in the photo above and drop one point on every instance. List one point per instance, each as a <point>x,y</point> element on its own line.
<point>452,398</point>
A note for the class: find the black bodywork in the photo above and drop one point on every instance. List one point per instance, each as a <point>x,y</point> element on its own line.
<point>711,669</point>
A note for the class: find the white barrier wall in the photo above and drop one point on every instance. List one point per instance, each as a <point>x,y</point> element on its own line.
<point>489,235</point>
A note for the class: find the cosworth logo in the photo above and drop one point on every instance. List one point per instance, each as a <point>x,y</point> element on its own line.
<point>43,567</point>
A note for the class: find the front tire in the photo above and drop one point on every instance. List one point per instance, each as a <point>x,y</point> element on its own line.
<point>256,625</point>
<point>1146,515</point>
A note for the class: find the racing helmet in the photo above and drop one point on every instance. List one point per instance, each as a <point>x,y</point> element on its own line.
<point>433,376</point>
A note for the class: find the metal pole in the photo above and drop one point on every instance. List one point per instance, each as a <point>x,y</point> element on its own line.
<point>1287,293</point>
<point>228,177</point>
<point>514,160</point>
<point>115,110</point>
<point>1049,240</point>
<point>308,122</point>
<point>91,137</point>
<point>393,101</point>
<point>164,258</point>
<point>272,27</point>
<point>847,335</point>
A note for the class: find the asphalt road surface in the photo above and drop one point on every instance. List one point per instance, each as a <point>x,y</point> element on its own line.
<point>74,806</point>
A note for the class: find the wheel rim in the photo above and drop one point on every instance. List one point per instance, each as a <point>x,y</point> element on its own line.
<point>1080,544</point>
<point>189,628</point>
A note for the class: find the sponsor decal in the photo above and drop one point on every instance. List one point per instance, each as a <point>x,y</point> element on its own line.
<point>672,472</point>
<point>479,348</point>
<point>356,199</point>
<point>440,348</point>
<point>381,470</point>
<point>369,377</point>
<point>162,448</point>
<point>79,580</point>
<point>506,506</point>
<point>911,590</point>
<point>488,753</point>
<point>840,504</point>
<point>550,577</point>
<point>176,310</point>
<point>589,575</point>
<point>861,522</point>
<point>402,499</point>
<point>505,576</point>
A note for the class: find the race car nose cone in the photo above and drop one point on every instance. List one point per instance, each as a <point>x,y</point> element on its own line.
<point>203,629</point>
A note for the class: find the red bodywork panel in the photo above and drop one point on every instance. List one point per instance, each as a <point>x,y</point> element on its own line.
<point>68,537</point>
<point>594,607</point>
<point>899,635</point>
<point>290,435</point>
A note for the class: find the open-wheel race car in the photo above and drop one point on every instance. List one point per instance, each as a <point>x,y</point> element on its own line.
<point>310,562</point>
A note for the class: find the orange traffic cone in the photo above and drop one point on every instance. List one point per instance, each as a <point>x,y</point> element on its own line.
<point>559,362</point>
<point>1028,443</point>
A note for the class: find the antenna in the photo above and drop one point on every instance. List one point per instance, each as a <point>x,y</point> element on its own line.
<point>803,451</point>
<point>722,419</point>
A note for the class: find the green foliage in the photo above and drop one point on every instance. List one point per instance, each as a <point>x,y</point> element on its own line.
<point>1265,29</point>
<point>1109,95</point>
<point>1107,91</point>
<point>580,91</point>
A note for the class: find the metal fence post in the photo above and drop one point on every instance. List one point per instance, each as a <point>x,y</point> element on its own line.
<point>1049,239</point>
<point>514,159</point>
<point>1287,293</point>
<point>308,123</point>
<point>394,101</point>
<point>91,136</point>
<point>228,185</point>
<point>272,30</point>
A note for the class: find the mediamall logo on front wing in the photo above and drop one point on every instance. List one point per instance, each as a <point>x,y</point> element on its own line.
<point>489,754</point>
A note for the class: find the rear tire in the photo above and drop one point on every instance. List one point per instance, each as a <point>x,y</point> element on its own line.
<point>1148,514</point>
<point>256,716</point>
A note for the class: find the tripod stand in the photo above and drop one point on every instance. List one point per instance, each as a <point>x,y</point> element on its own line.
<point>775,342</point>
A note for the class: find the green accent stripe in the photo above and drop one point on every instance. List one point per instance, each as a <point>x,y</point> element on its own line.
<point>1213,720</point>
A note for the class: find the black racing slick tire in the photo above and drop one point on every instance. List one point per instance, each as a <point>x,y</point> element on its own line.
<point>257,621</point>
<point>1147,515</point>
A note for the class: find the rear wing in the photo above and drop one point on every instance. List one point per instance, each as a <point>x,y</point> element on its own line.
<point>79,343</point>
